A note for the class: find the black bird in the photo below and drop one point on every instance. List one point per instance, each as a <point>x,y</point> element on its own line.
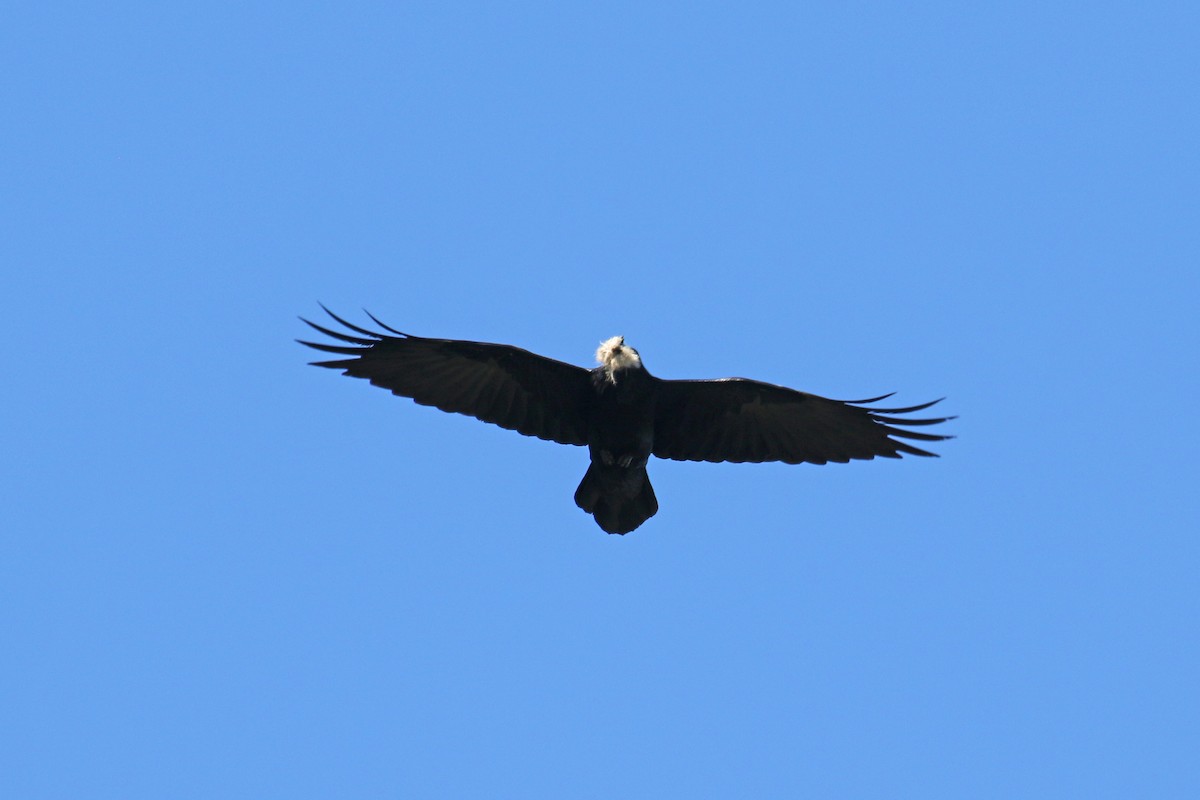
<point>621,412</point>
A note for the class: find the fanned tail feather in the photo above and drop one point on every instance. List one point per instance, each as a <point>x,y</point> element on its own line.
<point>620,498</point>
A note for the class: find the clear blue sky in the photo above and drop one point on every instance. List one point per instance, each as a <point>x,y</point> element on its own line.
<point>228,574</point>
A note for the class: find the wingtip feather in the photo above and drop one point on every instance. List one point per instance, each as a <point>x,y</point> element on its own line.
<point>385,326</point>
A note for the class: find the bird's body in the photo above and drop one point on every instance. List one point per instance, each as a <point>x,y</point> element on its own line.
<point>616,489</point>
<point>621,412</point>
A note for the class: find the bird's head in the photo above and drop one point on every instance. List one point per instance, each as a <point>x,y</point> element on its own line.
<point>613,355</point>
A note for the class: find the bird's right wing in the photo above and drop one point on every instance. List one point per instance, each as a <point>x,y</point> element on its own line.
<point>496,383</point>
<point>734,419</point>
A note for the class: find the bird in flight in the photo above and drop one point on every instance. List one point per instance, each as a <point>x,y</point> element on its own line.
<point>621,412</point>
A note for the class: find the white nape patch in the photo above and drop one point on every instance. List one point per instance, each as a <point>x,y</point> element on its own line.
<point>613,354</point>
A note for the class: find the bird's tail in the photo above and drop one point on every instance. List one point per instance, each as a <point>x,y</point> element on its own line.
<point>620,498</point>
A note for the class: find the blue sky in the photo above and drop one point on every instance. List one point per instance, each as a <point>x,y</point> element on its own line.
<point>227,574</point>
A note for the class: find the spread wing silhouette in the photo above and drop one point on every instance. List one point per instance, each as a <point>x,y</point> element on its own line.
<point>739,420</point>
<point>496,383</point>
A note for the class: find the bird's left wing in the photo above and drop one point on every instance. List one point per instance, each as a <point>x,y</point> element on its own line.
<point>496,383</point>
<point>738,420</point>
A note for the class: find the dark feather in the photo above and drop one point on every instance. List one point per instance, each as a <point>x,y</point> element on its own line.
<point>496,383</point>
<point>739,420</point>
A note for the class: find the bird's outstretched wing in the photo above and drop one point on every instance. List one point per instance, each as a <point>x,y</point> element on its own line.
<point>496,383</point>
<point>738,420</point>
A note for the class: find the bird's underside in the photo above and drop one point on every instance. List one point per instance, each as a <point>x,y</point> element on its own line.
<point>622,413</point>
